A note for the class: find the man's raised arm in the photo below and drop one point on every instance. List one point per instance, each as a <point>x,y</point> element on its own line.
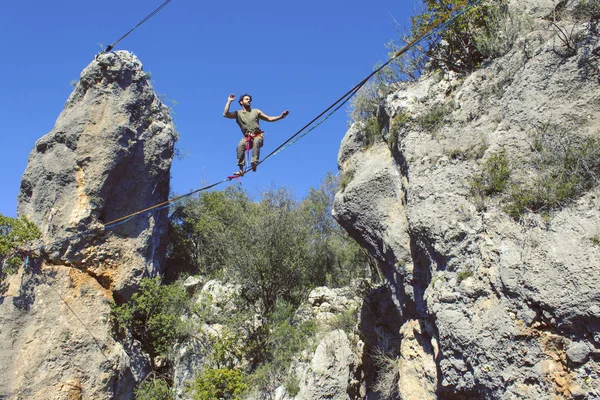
<point>226,112</point>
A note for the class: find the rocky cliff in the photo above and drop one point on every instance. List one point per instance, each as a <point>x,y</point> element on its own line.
<point>489,302</point>
<point>108,155</point>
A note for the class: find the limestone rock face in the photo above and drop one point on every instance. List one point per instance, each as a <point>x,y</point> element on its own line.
<point>108,155</point>
<point>505,308</point>
<point>331,367</point>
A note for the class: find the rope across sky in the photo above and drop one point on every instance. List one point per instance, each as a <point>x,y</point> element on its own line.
<point>438,25</point>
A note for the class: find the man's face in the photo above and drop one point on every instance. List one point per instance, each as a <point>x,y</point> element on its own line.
<point>245,101</point>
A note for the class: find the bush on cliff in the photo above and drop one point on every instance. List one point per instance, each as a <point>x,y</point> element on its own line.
<point>15,234</point>
<point>153,315</point>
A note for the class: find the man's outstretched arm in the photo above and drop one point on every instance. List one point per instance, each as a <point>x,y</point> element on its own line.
<point>226,112</point>
<point>268,118</point>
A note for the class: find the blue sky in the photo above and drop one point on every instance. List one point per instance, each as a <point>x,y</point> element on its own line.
<point>299,56</point>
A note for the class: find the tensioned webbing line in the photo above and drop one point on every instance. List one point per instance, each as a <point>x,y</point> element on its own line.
<point>441,22</point>
<point>152,14</point>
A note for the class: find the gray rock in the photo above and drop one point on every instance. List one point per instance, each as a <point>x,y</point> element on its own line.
<point>330,370</point>
<point>108,155</point>
<point>578,352</point>
<point>502,298</point>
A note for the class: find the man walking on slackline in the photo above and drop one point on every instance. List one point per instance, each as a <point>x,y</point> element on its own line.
<point>248,120</point>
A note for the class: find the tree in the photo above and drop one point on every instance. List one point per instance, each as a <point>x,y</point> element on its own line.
<point>15,234</point>
<point>456,47</point>
<point>204,231</point>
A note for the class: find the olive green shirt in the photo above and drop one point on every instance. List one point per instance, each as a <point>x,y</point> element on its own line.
<point>248,120</point>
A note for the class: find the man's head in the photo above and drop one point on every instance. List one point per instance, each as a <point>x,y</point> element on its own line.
<point>245,100</point>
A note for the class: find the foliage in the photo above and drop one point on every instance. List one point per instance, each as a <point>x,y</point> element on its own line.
<point>15,233</point>
<point>218,383</point>
<point>464,274</point>
<point>346,178</point>
<point>346,320</point>
<point>226,350</point>
<point>292,385</point>
<point>277,248</point>
<point>366,102</point>
<point>334,256</point>
<point>587,9</point>
<point>456,47</point>
<point>153,315</point>
<point>285,337</point>
<point>154,389</point>
<point>371,130</point>
<point>565,166</point>
<point>494,176</point>
<point>205,233</point>
<point>433,118</point>
<point>388,374</point>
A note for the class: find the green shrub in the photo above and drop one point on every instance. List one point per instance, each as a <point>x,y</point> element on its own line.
<point>292,385</point>
<point>218,383</point>
<point>366,102</point>
<point>15,234</point>
<point>347,320</point>
<point>494,176</point>
<point>433,119</point>
<point>371,130</point>
<point>464,274</point>
<point>388,374</point>
<point>153,315</point>
<point>154,389</point>
<point>565,166</point>
<point>346,178</point>
<point>587,10</point>
<point>284,338</point>
<point>458,46</point>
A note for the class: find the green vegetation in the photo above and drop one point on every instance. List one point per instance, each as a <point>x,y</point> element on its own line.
<point>292,385</point>
<point>562,167</point>
<point>388,374</point>
<point>433,118</point>
<point>587,10</point>
<point>347,320</point>
<point>218,383</point>
<point>154,389</point>
<point>493,177</point>
<point>464,274</point>
<point>153,315</point>
<point>346,178</point>
<point>286,337</point>
<point>15,235</point>
<point>485,32</point>
<point>565,166</point>
<point>459,47</point>
<point>275,250</point>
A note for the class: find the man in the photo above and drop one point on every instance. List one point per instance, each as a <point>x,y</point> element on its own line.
<point>248,120</point>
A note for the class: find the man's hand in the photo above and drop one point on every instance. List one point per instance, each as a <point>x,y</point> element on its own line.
<point>284,114</point>
<point>231,97</point>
